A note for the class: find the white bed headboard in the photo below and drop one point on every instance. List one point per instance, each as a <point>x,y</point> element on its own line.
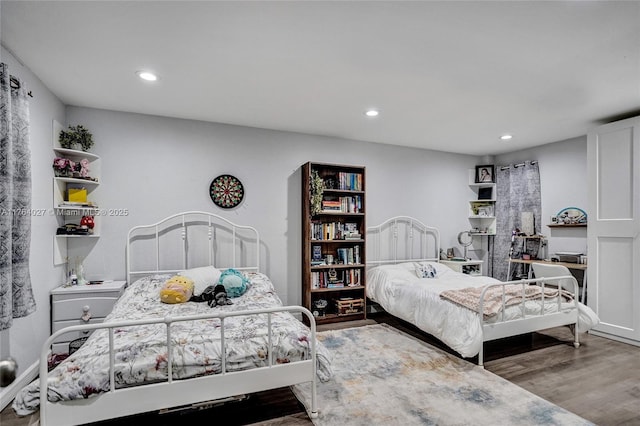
<point>402,239</point>
<point>188,240</point>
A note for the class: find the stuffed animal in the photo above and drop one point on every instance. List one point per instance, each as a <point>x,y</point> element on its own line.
<point>214,296</point>
<point>234,282</point>
<point>177,289</point>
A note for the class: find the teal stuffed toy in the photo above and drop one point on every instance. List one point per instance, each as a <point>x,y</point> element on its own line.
<point>234,282</point>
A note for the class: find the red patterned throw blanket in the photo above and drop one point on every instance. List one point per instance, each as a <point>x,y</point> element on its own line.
<point>492,305</point>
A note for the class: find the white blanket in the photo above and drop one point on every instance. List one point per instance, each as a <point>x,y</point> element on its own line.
<point>401,293</point>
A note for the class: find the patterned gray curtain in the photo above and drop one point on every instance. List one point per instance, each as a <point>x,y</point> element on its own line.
<point>16,295</point>
<point>518,190</point>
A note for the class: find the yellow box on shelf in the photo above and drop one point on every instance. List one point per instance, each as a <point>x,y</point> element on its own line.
<point>77,195</point>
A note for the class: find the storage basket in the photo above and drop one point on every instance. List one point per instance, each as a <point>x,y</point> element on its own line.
<point>348,306</point>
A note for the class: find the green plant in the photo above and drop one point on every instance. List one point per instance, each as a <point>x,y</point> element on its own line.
<point>76,135</point>
<point>317,187</point>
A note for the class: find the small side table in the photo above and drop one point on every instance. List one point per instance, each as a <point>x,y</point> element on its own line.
<point>469,267</point>
<point>81,304</point>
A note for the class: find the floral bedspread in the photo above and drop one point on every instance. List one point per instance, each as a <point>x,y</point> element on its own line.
<point>141,351</point>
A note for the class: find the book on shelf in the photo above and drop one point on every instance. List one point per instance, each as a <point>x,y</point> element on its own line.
<point>342,255</point>
<point>316,280</point>
<point>348,255</point>
<point>333,279</point>
<point>350,181</point>
<point>351,204</point>
<point>75,203</point>
<point>322,231</point>
<point>78,204</point>
<point>331,204</point>
<point>353,277</point>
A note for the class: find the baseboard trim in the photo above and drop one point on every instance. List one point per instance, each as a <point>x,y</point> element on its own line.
<point>8,394</point>
<point>614,337</point>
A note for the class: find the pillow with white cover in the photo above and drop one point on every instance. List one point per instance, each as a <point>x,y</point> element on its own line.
<point>390,274</point>
<point>425,270</point>
<point>411,266</point>
<point>202,277</point>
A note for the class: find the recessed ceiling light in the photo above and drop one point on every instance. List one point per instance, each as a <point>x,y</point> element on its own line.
<point>506,137</point>
<point>371,113</point>
<point>146,75</point>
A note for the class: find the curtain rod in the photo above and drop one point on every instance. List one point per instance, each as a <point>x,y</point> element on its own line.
<point>15,83</point>
<point>517,165</point>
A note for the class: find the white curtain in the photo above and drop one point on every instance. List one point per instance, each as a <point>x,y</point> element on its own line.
<point>518,191</point>
<point>16,295</point>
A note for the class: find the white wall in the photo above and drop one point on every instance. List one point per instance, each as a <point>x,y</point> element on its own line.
<point>563,180</point>
<point>155,166</point>
<point>27,334</point>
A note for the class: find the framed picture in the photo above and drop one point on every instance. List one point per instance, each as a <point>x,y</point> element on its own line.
<point>317,253</point>
<point>485,174</point>
<point>486,211</point>
<point>485,193</point>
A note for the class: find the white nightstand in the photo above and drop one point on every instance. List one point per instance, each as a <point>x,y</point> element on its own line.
<point>469,267</point>
<point>81,304</point>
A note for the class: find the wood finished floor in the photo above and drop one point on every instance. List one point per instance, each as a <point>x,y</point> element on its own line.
<point>600,381</point>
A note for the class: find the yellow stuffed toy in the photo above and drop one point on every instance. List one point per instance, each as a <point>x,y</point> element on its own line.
<point>177,289</point>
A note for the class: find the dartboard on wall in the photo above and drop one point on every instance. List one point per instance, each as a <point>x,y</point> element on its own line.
<point>226,191</point>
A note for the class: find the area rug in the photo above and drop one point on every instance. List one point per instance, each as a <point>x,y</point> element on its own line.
<point>383,376</point>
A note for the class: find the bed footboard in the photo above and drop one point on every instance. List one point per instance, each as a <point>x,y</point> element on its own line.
<point>552,312</point>
<point>178,392</point>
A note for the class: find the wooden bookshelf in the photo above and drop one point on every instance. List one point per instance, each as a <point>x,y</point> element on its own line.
<point>334,227</point>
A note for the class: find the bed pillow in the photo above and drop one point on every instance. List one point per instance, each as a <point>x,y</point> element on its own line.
<point>425,270</point>
<point>390,274</point>
<point>202,278</point>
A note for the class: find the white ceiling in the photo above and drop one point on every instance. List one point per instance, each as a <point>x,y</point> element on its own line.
<point>447,75</point>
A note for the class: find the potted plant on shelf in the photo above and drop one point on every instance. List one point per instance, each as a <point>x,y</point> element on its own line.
<point>76,136</point>
<point>316,189</point>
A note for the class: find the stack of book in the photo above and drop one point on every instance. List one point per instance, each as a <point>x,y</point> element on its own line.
<point>342,204</point>
<point>331,205</point>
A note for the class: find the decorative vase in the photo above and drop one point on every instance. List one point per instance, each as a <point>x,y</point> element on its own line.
<point>8,371</point>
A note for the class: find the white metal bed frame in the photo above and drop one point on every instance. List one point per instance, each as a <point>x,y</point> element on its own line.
<point>407,239</point>
<point>182,222</point>
<point>184,392</point>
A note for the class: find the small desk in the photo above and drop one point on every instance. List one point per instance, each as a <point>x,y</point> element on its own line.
<point>575,266</point>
